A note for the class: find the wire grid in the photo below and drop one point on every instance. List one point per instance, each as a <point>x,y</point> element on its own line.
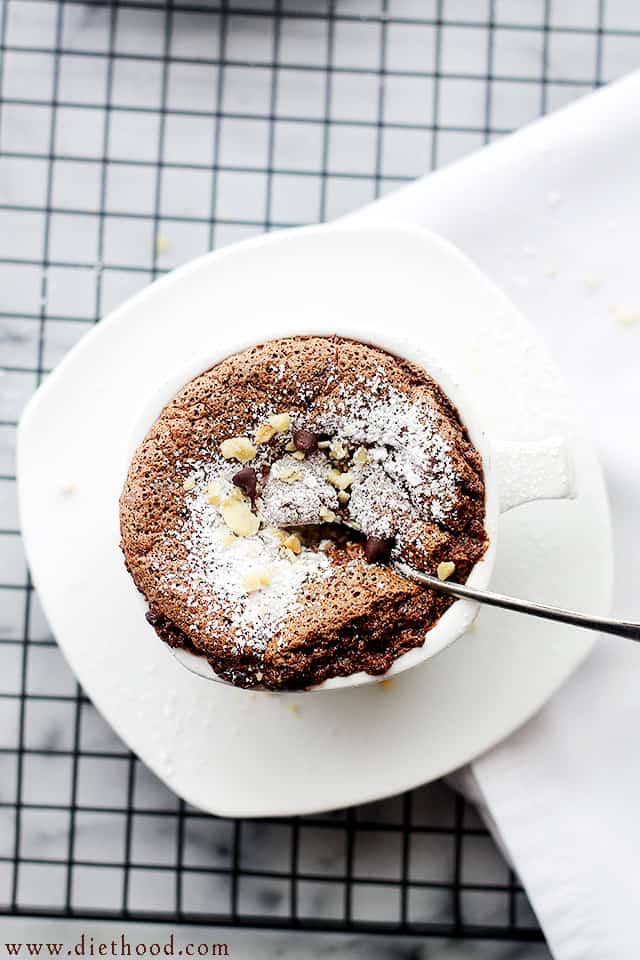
<point>133,136</point>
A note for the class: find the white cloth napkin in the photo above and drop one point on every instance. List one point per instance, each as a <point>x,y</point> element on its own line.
<point>552,214</point>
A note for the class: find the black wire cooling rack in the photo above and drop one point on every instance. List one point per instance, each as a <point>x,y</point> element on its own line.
<point>137,134</point>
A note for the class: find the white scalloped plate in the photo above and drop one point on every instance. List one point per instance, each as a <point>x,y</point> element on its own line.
<point>237,754</point>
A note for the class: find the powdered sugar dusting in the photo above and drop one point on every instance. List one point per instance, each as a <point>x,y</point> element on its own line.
<point>409,469</point>
<point>299,503</point>
<point>407,474</point>
<point>216,571</point>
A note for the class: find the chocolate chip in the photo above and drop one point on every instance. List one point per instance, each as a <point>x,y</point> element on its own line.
<point>247,481</point>
<point>376,550</point>
<point>153,617</point>
<point>305,440</point>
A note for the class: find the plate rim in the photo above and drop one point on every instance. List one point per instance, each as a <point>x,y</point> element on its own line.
<point>32,409</point>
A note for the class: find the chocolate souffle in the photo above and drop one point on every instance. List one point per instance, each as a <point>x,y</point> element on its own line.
<point>261,509</point>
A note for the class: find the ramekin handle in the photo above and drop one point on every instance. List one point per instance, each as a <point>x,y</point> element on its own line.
<point>535,470</point>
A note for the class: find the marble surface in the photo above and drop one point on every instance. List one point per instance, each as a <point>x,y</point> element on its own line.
<point>246,945</point>
<point>113,226</point>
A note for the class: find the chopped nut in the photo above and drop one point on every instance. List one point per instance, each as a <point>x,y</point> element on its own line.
<point>298,455</point>
<point>293,543</point>
<point>290,447</point>
<point>445,569</point>
<point>162,243</point>
<point>343,496</point>
<point>340,480</point>
<point>361,456</point>
<point>256,579</point>
<point>259,676</point>
<point>264,433</point>
<point>337,450</point>
<point>213,493</point>
<point>289,555</point>
<point>189,483</point>
<point>327,515</point>
<point>280,422</point>
<point>238,448</point>
<point>238,517</point>
<point>229,540</point>
<point>289,475</point>
<point>324,444</point>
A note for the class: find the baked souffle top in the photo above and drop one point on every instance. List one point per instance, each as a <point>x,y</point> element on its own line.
<point>261,509</point>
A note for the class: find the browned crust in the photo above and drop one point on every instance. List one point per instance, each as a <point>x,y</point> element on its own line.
<point>360,619</point>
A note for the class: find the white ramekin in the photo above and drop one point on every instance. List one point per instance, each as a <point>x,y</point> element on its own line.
<point>514,473</point>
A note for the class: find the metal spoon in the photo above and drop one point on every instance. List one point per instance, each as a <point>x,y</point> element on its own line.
<point>620,628</point>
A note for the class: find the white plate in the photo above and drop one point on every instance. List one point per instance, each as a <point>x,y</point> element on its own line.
<point>237,754</point>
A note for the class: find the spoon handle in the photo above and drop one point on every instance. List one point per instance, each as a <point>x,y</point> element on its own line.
<point>620,628</point>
